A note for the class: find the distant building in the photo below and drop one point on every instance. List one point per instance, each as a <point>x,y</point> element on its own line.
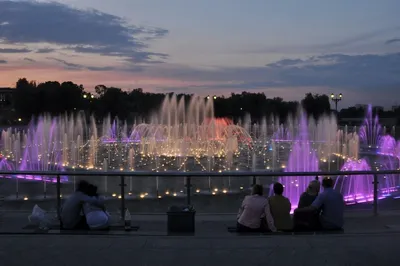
<point>361,106</point>
<point>6,98</point>
<point>365,106</point>
<point>377,108</point>
<point>358,121</point>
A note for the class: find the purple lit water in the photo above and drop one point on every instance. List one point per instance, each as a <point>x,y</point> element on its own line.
<point>42,152</point>
<point>301,159</point>
<point>356,188</point>
<point>5,165</point>
<point>371,131</point>
<point>387,145</point>
<point>360,188</point>
<point>389,151</point>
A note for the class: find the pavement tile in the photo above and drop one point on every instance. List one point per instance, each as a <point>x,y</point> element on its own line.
<point>341,250</point>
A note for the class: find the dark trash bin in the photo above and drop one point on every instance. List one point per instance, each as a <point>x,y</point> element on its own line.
<point>181,219</point>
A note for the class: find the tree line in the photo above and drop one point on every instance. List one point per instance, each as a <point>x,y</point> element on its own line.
<point>32,99</point>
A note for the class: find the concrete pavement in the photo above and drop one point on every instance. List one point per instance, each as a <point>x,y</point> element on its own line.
<point>231,250</point>
<point>367,241</point>
<point>359,222</point>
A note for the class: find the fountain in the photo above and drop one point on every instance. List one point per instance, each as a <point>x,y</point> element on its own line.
<point>186,136</point>
<point>356,188</point>
<point>371,131</point>
<point>301,159</point>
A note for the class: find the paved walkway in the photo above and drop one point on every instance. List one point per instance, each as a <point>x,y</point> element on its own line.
<point>215,225</point>
<point>367,241</point>
<point>233,250</point>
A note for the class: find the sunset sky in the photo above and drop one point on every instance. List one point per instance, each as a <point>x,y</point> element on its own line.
<point>283,48</point>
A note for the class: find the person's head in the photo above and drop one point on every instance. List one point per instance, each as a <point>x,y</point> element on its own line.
<point>83,186</point>
<point>278,189</point>
<point>313,188</point>
<point>327,182</point>
<point>257,190</point>
<point>92,191</point>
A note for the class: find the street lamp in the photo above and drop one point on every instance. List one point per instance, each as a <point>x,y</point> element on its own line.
<point>87,95</point>
<point>336,99</point>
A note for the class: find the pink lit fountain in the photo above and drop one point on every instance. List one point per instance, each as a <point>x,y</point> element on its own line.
<point>389,151</point>
<point>371,131</point>
<point>301,159</point>
<point>355,188</point>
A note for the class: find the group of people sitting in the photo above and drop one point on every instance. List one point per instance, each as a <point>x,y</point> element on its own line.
<point>316,211</point>
<point>84,209</point>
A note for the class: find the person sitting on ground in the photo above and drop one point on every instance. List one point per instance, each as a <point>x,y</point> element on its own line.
<point>331,204</point>
<point>307,220</point>
<point>71,212</point>
<point>280,209</point>
<point>96,217</point>
<point>254,209</point>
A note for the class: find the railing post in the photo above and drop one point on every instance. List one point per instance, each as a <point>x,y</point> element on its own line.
<point>44,188</point>
<point>122,197</point>
<point>375,194</point>
<point>58,187</point>
<point>16,188</point>
<point>188,188</point>
<point>254,180</point>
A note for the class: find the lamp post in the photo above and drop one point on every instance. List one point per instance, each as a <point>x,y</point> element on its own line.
<point>336,99</point>
<point>88,95</point>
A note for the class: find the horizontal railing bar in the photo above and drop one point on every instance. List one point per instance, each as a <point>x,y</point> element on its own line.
<point>197,174</point>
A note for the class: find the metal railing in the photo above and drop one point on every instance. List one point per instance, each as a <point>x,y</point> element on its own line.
<point>189,175</point>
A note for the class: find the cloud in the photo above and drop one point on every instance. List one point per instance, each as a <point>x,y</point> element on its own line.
<point>339,70</point>
<point>65,63</point>
<point>350,43</point>
<point>131,56</point>
<point>3,61</point>
<point>107,68</point>
<point>45,50</point>
<point>83,31</point>
<point>365,73</point>
<point>359,38</point>
<point>13,51</point>
<point>29,59</point>
<point>395,40</point>
<point>73,66</point>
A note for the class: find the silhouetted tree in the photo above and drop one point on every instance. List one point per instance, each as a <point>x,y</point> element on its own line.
<point>55,98</point>
<point>316,104</point>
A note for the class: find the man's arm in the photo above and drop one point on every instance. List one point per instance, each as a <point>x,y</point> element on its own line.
<point>241,208</point>
<point>92,200</point>
<point>316,205</point>
<point>269,218</point>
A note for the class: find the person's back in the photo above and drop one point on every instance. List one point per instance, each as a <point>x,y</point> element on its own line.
<point>306,200</point>
<point>331,204</point>
<point>307,220</point>
<point>280,209</point>
<point>72,208</point>
<point>253,209</point>
<point>96,217</point>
